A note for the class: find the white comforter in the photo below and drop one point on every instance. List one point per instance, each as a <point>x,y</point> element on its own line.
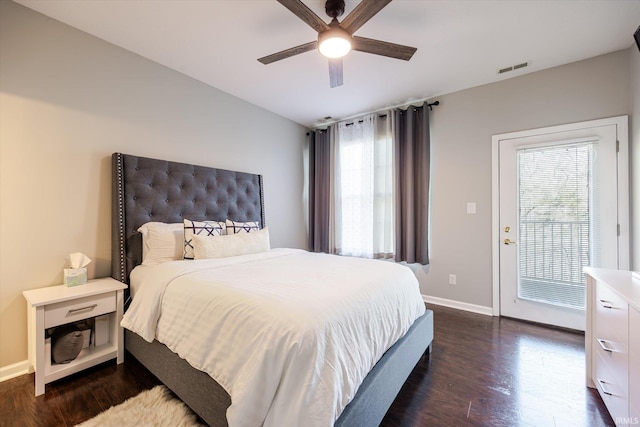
<point>289,334</point>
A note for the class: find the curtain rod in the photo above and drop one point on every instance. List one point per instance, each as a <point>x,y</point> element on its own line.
<point>381,116</point>
<point>433,104</point>
<point>430,105</point>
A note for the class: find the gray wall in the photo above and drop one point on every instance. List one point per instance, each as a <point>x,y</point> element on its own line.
<point>461,131</point>
<point>67,101</point>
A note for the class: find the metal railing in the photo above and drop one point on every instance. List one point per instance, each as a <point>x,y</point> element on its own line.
<point>552,255</point>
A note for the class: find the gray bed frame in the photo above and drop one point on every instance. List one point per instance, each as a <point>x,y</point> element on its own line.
<point>156,190</point>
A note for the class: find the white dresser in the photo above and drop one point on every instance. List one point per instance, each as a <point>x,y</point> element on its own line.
<point>612,341</point>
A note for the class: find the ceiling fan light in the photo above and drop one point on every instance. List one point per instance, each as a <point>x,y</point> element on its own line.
<point>334,47</point>
<point>335,42</point>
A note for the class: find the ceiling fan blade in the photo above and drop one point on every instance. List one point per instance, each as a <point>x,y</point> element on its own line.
<point>378,47</point>
<point>364,11</point>
<point>289,52</point>
<point>303,12</point>
<point>335,72</point>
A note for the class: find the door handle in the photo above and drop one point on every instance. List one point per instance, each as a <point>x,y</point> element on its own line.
<point>509,242</point>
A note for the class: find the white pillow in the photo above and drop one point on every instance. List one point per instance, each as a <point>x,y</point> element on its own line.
<point>161,242</point>
<point>200,228</point>
<point>208,247</point>
<point>234,227</point>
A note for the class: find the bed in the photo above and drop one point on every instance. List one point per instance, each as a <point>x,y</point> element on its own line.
<point>147,190</point>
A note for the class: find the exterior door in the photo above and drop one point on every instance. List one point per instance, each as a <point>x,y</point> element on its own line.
<point>559,211</point>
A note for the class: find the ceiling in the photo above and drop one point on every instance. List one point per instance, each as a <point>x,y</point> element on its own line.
<point>461,44</point>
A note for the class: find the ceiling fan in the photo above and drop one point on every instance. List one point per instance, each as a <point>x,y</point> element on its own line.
<point>336,39</point>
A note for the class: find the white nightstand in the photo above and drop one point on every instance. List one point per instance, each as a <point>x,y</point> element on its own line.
<point>59,305</point>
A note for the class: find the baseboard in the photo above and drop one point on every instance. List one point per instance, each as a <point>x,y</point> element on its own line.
<point>15,370</point>
<point>480,309</point>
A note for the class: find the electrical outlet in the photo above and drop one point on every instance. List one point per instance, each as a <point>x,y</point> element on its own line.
<point>452,279</point>
<point>471,208</point>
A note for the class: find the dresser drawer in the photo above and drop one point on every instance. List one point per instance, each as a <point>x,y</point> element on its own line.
<point>611,315</point>
<point>616,360</point>
<point>634,361</point>
<point>79,309</point>
<point>634,416</point>
<point>613,394</point>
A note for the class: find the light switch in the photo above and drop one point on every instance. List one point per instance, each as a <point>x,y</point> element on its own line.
<point>471,207</point>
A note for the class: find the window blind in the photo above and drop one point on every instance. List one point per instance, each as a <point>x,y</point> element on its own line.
<point>555,190</point>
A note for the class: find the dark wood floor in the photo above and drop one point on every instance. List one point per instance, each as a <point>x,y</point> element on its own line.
<point>488,371</point>
<point>483,372</point>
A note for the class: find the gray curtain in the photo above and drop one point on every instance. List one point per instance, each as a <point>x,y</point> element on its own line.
<point>320,194</point>
<point>412,164</point>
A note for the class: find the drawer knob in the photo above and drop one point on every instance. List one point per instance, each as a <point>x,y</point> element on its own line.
<point>603,388</point>
<point>606,304</point>
<point>605,346</point>
<point>77,310</point>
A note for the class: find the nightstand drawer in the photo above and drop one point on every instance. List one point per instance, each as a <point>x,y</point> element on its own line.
<point>79,309</point>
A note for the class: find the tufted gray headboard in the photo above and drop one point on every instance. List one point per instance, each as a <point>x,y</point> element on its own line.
<point>157,190</point>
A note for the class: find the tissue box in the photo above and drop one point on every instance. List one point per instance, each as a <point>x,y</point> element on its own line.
<point>75,276</point>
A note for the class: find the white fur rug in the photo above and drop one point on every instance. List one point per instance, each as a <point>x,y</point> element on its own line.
<point>155,407</point>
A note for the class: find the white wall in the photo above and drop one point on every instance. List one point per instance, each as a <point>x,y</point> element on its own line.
<point>634,151</point>
<point>461,130</point>
<point>67,102</point>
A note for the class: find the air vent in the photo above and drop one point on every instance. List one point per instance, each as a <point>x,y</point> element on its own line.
<point>513,67</point>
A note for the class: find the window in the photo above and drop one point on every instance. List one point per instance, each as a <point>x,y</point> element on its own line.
<point>369,186</point>
<point>364,206</point>
<point>555,230</point>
